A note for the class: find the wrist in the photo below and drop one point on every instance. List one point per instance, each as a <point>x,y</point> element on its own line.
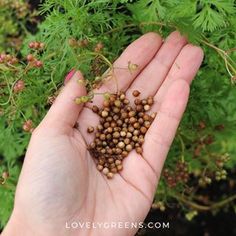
<point>16,226</point>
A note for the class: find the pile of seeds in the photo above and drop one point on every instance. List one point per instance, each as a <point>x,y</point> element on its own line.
<point>121,129</point>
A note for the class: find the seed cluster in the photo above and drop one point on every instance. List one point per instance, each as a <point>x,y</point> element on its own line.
<point>36,45</point>
<point>98,47</point>
<point>121,129</point>
<point>180,174</point>
<point>8,59</point>
<point>28,126</point>
<point>78,43</point>
<point>4,177</point>
<point>19,86</point>
<point>33,61</point>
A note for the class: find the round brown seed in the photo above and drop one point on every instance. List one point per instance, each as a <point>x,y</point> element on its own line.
<point>124,154</point>
<point>116,134</point>
<point>102,137</point>
<point>103,151</point>
<point>137,101</point>
<point>124,115</point>
<point>112,165</point>
<point>100,167</point>
<point>106,103</point>
<point>147,107</point>
<point>146,117</point>
<point>105,171</point>
<point>121,145</point>
<point>109,130</point>
<point>126,101</point>
<point>128,147</point>
<point>143,130</point>
<point>95,109</point>
<point>153,115</point>
<point>136,93</point>
<point>114,170</point>
<point>139,150</point>
<point>139,108</point>
<point>118,151</point>
<point>141,114</point>
<point>110,160</point>
<point>117,103</point>
<point>115,141</point>
<point>122,96</point>
<point>99,127</point>
<point>119,167</point>
<point>119,122</point>
<point>150,101</point>
<point>92,145</point>
<point>104,114</point>
<point>132,120</point>
<point>136,125</point>
<point>140,121</point>
<point>147,124</point>
<point>144,101</point>
<point>109,119</point>
<point>132,113</point>
<point>110,175</point>
<point>136,132</point>
<point>118,162</point>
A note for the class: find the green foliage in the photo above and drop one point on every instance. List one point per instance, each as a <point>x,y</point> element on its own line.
<point>13,15</point>
<point>207,133</point>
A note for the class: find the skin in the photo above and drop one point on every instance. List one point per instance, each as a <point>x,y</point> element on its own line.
<point>59,182</point>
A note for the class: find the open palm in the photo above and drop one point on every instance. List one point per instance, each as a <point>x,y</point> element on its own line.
<point>59,183</point>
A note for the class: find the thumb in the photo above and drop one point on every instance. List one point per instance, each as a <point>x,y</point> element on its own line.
<point>64,112</point>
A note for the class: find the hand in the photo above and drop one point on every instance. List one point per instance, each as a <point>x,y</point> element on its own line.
<point>59,183</point>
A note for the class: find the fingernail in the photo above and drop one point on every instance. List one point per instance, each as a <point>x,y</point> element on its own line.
<point>69,76</point>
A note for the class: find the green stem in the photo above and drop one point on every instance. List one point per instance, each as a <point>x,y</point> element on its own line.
<point>199,207</point>
<point>182,147</point>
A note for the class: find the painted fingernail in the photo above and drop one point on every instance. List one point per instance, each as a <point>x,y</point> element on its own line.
<point>69,76</point>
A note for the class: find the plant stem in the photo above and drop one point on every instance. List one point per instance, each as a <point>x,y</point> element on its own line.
<point>199,207</point>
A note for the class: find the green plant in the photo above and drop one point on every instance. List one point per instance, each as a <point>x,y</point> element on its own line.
<point>14,15</point>
<point>88,36</point>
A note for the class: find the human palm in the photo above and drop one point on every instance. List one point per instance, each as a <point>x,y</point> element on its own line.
<point>59,183</point>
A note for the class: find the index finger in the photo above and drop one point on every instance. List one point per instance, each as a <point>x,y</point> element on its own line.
<point>140,52</point>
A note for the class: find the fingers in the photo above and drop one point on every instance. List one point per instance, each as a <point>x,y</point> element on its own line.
<point>140,52</point>
<point>64,112</point>
<point>86,119</point>
<point>156,71</point>
<point>162,131</point>
<point>185,67</point>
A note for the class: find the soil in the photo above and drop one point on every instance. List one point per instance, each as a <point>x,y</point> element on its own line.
<point>205,224</point>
